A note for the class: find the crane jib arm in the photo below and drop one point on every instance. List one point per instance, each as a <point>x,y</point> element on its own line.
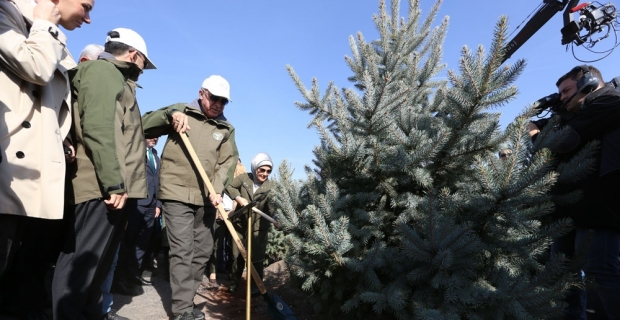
<point>544,14</point>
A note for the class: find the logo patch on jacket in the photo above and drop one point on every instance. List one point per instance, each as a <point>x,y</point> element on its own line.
<point>217,136</point>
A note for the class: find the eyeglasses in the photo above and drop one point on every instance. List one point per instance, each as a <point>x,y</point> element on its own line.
<point>216,99</point>
<point>262,170</point>
<point>144,61</point>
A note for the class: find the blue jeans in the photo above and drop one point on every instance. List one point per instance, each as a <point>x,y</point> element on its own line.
<point>600,249</point>
<point>107,284</point>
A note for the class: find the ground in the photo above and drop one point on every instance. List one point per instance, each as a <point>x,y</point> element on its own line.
<point>217,303</point>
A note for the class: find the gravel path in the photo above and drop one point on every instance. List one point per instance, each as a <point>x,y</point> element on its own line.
<point>153,304</point>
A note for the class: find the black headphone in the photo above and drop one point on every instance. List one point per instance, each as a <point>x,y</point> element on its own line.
<point>588,82</point>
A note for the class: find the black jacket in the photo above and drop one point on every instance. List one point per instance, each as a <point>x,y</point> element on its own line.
<point>598,120</point>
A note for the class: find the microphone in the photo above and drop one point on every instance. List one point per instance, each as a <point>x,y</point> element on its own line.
<point>563,105</point>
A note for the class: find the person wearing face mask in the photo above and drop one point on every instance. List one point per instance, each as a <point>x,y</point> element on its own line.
<point>109,174</point>
<point>35,118</point>
<point>89,53</point>
<point>185,201</point>
<point>252,186</point>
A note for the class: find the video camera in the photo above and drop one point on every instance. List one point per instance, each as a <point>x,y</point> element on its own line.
<point>554,105</point>
<point>592,19</point>
<point>551,102</point>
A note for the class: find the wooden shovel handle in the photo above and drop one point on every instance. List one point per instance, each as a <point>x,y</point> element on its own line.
<point>220,207</point>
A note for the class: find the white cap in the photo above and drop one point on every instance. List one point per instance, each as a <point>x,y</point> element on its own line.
<point>132,39</point>
<point>217,86</point>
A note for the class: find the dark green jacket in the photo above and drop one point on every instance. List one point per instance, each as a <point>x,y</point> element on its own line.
<point>214,143</point>
<point>243,186</point>
<point>107,131</point>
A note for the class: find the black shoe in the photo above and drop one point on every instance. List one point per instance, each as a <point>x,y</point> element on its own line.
<point>184,316</point>
<point>141,281</point>
<point>198,315</point>
<point>126,289</point>
<point>113,316</point>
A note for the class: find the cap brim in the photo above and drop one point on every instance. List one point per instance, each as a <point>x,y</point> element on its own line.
<point>219,94</point>
<point>149,64</point>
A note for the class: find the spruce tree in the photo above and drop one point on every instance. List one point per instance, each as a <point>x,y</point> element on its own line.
<point>408,212</point>
<point>276,248</point>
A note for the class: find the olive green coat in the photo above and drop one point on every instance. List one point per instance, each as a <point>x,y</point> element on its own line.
<point>214,143</point>
<point>243,186</point>
<point>107,131</point>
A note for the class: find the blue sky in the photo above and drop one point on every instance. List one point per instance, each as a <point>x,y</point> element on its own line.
<point>250,42</point>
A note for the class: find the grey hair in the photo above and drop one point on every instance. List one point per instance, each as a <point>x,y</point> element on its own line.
<point>92,51</point>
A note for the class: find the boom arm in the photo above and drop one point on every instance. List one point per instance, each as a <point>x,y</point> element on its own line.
<point>544,14</point>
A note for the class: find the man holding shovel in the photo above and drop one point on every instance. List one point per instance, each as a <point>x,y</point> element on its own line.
<point>189,210</point>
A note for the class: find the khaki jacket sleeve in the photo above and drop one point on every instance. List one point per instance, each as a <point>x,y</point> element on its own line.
<point>157,123</point>
<point>35,57</point>
<point>101,120</point>
<point>226,163</point>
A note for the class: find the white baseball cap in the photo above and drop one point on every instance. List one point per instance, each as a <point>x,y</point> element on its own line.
<point>217,86</point>
<point>132,39</point>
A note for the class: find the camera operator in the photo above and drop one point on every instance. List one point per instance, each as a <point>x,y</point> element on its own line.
<point>590,110</point>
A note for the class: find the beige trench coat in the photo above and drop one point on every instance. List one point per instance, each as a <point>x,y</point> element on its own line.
<point>34,112</point>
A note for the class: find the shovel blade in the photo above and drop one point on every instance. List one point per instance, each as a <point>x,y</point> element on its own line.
<point>277,309</point>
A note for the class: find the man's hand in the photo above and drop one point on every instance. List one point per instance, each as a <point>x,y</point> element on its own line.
<point>69,157</point>
<point>157,212</point>
<point>532,129</point>
<point>46,10</point>
<point>179,122</point>
<point>215,199</point>
<point>116,201</point>
<point>242,201</point>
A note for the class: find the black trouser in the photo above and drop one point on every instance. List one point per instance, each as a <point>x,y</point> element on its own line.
<point>135,243</point>
<point>219,256</point>
<point>33,245</point>
<point>86,258</point>
<point>11,227</point>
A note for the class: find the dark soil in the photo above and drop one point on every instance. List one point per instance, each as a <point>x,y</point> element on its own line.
<point>219,303</point>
